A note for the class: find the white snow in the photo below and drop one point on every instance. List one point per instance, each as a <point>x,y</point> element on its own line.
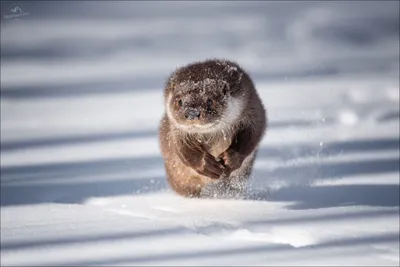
<point>82,178</point>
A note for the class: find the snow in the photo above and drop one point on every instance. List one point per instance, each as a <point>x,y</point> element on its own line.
<point>82,178</point>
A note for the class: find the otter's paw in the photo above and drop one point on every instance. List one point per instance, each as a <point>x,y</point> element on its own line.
<point>232,160</point>
<point>210,167</point>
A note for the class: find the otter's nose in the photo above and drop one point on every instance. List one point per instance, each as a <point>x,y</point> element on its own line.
<point>192,114</point>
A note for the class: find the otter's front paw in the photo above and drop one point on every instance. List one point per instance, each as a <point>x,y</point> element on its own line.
<point>209,167</point>
<point>232,160</point>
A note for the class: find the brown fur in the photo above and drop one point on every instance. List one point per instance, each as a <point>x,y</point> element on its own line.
<point>195,161</point>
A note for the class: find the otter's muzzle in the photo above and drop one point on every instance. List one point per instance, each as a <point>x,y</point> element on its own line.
<point>192,114</point>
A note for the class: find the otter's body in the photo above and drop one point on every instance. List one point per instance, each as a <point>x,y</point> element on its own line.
<point>211,128</point>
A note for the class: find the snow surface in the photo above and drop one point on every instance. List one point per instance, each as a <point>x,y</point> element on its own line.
<point>82,178</point>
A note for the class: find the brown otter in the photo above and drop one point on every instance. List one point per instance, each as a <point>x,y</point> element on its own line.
<point>213,123</point>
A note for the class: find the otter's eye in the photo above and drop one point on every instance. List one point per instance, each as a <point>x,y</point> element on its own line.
<point>209,102</point>
<point>180,102</point>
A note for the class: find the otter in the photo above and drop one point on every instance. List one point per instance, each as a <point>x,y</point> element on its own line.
<point>210,130</point>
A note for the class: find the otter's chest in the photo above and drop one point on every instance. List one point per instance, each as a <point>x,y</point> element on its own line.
<point>217,143</point>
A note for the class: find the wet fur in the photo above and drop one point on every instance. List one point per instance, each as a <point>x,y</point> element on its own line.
<point>245,114</point>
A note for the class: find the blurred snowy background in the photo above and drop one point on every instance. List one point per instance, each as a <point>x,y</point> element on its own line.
<point>84,47</point>
<point>81,172</point>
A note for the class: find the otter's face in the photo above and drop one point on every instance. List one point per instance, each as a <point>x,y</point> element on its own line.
<point>202,106</point>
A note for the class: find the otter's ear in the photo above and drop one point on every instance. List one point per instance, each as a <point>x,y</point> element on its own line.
<point>169,87</point>
<point>225,88</point>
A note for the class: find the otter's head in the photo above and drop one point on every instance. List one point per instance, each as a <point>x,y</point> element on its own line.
<point>205,96</point>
